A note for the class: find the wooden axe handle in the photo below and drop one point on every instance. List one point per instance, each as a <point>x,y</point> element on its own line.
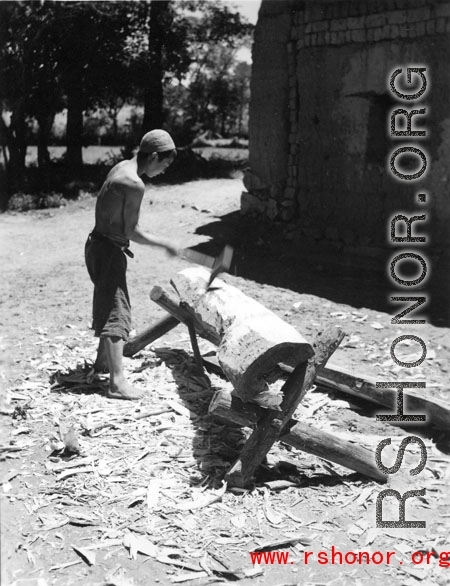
<point>198,258</point>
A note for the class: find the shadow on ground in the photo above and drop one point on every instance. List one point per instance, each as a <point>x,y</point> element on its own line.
<point>80,379</point>
<point>217,445</point>
<point>264,255</point>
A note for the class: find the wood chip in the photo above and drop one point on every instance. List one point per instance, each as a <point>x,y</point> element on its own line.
<point>187,577</point>
<point>180,409</point>
<point>137,544</point>
<point>73,472</point>
<point>87,556</point>
<point>283,543</point>
<point>64,566</point>
<point>204,501</point>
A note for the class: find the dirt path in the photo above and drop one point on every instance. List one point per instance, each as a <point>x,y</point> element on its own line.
<point>123,468</point>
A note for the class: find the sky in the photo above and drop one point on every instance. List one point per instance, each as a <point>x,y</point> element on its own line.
<point>248,8</point>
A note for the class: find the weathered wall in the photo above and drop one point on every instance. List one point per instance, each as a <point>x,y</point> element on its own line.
<point>324,168</point>
<point>268,125</point>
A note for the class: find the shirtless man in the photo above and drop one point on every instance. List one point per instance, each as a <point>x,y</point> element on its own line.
<point>116,223</point>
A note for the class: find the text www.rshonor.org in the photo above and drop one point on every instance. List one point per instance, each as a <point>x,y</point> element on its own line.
<point>350,558</point>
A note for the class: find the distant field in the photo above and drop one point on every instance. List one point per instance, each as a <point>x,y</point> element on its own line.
<point>92,155</point>
<point>226,154</point>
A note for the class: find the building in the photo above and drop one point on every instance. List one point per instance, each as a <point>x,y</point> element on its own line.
<point>320,111</point>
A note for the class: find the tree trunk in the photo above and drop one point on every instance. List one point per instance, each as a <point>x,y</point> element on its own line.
<point>154,95</point>
<point>16,140</point>
<point>45,121</point>
<point>115,124</point>
<point>222,124</point>
<point>74,125</point>
<point>252,340</point>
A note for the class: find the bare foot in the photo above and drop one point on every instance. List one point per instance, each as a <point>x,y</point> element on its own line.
<point>124,391</point>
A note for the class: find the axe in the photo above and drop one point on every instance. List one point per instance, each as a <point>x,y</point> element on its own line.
<point>217,265</point>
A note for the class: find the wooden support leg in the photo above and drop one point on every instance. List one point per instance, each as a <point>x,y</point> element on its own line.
<point>229,409</point>
<point>271,424</point>
<point>195,348</point>
<point>149,335</point>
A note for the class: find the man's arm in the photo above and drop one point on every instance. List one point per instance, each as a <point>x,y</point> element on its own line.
<point>131,209</point>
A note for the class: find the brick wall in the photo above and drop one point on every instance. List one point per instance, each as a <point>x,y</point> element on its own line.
<point>331,142</point>
<point>368,22</point>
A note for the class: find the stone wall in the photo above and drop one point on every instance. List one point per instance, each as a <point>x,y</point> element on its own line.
<point>319,116</point>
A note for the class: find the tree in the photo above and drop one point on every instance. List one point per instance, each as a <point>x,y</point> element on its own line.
<point>80,55</point>
<point>46,94</point>
<point>161,16</point>
<point>94,62</point>
<point>242,74</point>
<point>22,34</point>
<point>210,90</point>
<point>185,39</point>
<point>56,53</point>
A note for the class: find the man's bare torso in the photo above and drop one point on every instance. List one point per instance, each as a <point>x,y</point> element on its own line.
<point>114,212</point>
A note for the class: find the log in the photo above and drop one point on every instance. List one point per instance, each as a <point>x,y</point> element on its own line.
<point>183,314</point>
<point>231,410</point>
<point>415,401</point>
<point>271,424</point>
<point>251,339</point>
<point>337,378</point>
<point>149,335</point>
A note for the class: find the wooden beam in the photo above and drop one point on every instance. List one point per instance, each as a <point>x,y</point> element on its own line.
<point>339,379</point>
<point>149,335</point>
<point>183,314</point>
<point>231,410</point>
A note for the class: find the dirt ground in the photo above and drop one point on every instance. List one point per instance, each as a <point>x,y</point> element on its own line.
<point>143,502</point>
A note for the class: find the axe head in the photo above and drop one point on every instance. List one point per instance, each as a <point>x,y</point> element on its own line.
<point>222,264</point>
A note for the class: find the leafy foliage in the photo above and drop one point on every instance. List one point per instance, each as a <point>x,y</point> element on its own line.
<point>85,56</point>
<point>214,90</point>
<point>24,202</point>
